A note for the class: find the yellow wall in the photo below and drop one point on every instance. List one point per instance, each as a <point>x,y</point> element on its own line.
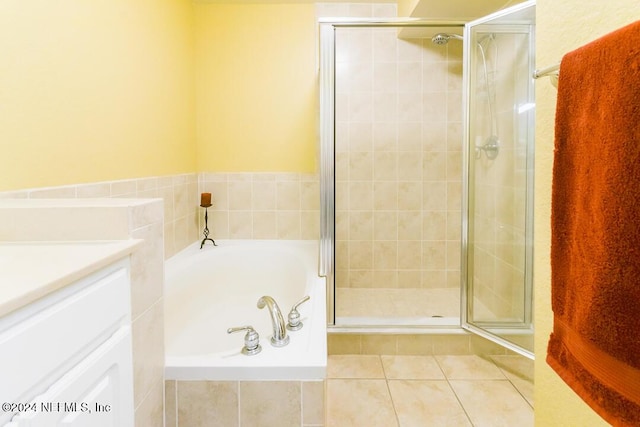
<point>105,90</point>
<point>561,27</point>
<point>256,87</point>
<point>95,90</point>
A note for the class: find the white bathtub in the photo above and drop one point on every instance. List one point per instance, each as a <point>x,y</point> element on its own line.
<point>211,289</point>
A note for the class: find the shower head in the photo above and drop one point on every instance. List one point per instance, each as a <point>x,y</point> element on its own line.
<point>443,38</point>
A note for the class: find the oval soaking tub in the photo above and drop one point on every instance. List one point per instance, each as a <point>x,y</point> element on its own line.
<point>212,289</point>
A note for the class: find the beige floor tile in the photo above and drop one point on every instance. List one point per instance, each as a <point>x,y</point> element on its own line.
<point>517,365</point>
<point>427,403</point>
<point>359,403</point>
<point>523,386</point>
<point>469,367</point>
<point>354,366</point>
<point>493,403</point>
<point>519,370</point>
<point>411,368</point>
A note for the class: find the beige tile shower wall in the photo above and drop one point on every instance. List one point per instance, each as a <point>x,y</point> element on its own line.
<point>501,185</point>
<point>244,403</point>
<point>262,205</point>
<point>398,160</point>
<point>178,192</point>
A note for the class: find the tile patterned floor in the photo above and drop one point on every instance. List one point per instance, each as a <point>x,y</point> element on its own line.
<point>429,391</point>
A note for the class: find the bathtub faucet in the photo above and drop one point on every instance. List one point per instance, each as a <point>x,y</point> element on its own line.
<point>279,338</point>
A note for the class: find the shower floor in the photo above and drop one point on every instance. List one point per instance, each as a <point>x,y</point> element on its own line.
<point>386,306</point>
<point>432,308</point>
<point>397,306</point>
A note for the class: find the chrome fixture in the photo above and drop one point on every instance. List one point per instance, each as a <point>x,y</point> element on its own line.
<point>279,338</point>
<point>553,71</point>
<point>491,148</point>
<point>294,317</point>
<point>443,38</point>
<point>251,340</point>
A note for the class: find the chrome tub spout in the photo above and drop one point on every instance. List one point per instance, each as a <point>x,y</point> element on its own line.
<point>279,338</point>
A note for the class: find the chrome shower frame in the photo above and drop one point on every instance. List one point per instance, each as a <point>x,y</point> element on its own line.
<point>327,50</point>
<point>468,197</point>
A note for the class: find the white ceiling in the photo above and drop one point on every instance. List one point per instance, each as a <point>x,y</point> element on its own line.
<point>459,10</point>
<point>454,10</point>
<point>293,1</point>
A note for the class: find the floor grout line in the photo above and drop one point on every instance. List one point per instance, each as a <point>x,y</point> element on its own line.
<point>520,393</point>
<point>446,377</point>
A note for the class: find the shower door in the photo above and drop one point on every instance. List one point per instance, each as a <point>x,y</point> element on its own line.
<point>498,203</point>
<point>392,138</point>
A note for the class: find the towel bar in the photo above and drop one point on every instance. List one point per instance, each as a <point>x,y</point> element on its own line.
<point>552,71</point>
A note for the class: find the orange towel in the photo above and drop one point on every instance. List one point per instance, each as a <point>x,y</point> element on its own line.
<point>595,224</point>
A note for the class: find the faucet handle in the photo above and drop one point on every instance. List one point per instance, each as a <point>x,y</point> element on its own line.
<point>294,317</point>
<point>251,340</point>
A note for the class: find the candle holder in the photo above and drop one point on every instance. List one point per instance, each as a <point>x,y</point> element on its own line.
<point>206,227</point>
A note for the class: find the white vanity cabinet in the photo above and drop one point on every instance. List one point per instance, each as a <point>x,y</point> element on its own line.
<point>66,359</point>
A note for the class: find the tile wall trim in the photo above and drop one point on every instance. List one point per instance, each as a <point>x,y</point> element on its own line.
<point>178,192</point>
<point>247,205</point>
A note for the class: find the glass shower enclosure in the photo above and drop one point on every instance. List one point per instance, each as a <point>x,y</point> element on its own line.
<point>497,249</point>
<point>426,174</point>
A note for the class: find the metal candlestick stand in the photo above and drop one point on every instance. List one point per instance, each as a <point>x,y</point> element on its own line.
<point>206,228</point>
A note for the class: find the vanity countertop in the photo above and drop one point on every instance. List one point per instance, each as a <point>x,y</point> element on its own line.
<point>31,270</point>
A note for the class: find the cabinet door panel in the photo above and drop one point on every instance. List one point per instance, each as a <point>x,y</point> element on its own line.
<point>56,332</point>
<point>97,392</point>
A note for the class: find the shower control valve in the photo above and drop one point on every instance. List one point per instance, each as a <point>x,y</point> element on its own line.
<point>294,316</point>
<point>251,340</point>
